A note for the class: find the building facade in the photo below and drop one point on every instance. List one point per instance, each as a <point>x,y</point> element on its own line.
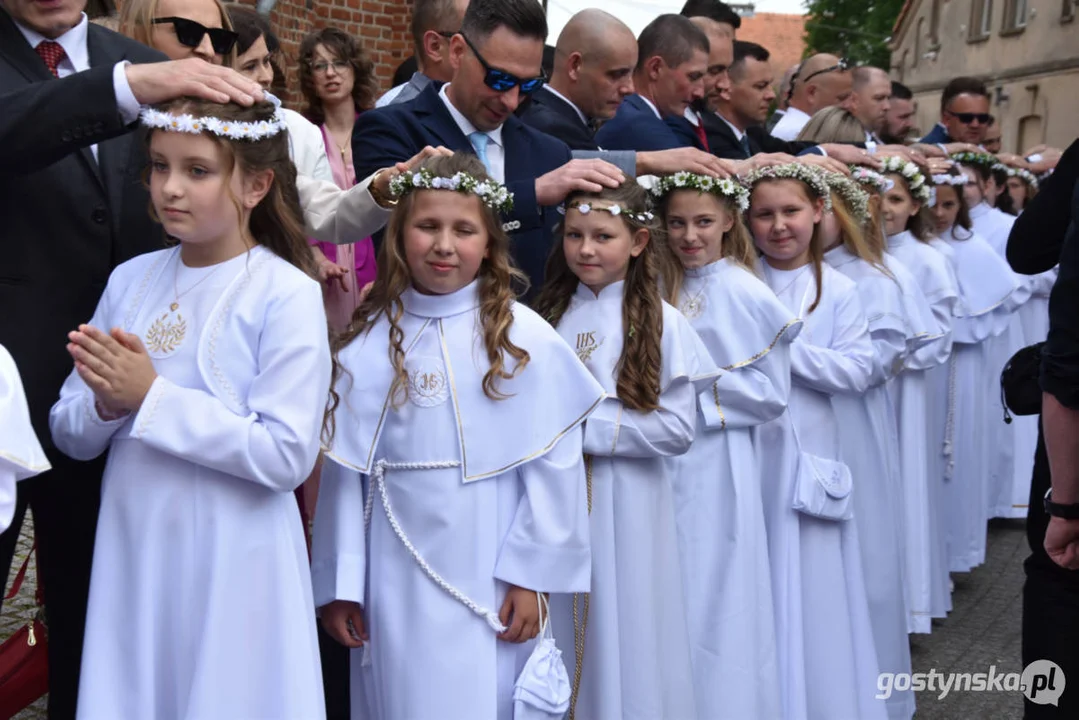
<point>1026,51</point>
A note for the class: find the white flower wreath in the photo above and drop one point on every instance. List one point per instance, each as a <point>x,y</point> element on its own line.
<point>949,179</point>
<point>641,217</point>
<point>975,158</point>
<point>792,171</point>
<point>865,176</point>
<point>493,194</point>
<point>919,188</point>
<point>1026,176</point>
<point>232,129</point>
<point>720,187</point>
<point>856,198</point>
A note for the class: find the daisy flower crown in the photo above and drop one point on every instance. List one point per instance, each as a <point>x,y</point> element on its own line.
<point>231,129</point>
<point>949,179</point>
<point>493,194</point>
<point>975,158</point>
<point>919,188</point>
<point>1026,176</point>
<point>720,187</point>
<point>864,176</point>
<point>641,217</point>
<point>792,171</point>
<point>855,197</point>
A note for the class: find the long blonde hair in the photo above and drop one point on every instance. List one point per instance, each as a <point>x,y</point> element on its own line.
<point>137,22</point>
<point>833,125</point>
<point>852,236</point>
<point>496,277</point>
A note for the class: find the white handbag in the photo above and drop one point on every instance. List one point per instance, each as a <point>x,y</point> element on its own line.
<point>542,690</point>
<point>823,488</point>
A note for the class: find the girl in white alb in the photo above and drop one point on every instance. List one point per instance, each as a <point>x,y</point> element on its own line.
<point>21,455</point>
<point>205,377</point>
<point>453,485</point>
<point>832,355</point>
<point>711,277</point>
<point>631,643</point>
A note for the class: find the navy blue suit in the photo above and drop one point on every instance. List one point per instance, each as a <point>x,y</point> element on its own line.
<point>636,127</point>
<point>395,133</point>
<point>937,136</point>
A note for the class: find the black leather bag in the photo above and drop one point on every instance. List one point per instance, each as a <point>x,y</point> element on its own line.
<point>1020,391</point>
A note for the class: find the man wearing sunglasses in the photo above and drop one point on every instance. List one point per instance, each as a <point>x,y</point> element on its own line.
<point>964,113</point>
<point>822,81</point>
<point>496,60</point>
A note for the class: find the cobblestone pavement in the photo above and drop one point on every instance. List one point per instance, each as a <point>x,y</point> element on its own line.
<point>982,630</point>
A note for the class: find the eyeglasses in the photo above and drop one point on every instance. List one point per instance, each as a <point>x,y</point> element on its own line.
<point>968,118</point>
<point>842,65</point>
<point>190,33</point>
<point>502,81</point>
<point>322,67</point>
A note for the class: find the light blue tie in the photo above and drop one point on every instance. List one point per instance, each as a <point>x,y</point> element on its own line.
<point>480,141</point>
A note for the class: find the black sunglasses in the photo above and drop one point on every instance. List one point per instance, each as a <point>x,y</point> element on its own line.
<point>968,118</point>
<point>502,81</point>
<point>842,65</point>
<point>190,33</point>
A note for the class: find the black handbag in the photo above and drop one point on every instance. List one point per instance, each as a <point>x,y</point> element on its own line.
<point>1020,391</point>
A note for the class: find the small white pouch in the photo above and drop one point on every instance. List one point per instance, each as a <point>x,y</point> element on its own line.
<point>823,488</point>
<point>542,690</point>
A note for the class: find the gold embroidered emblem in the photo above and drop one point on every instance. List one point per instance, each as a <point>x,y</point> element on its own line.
<point>166,334</point>
<point>427,383</point>
<point>586,345</point>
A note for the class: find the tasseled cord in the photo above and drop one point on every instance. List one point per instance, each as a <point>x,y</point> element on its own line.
<point>949,429</point>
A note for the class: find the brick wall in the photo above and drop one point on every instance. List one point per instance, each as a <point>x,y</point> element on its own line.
<point>381,26</point>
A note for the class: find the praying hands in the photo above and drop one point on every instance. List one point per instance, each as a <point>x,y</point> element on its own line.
<point>115,366</point>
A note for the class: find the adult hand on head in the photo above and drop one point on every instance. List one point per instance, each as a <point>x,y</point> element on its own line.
<point>159,82</point>
<point>830,164</point>
<point>383,177</point>
<point>915,156</point>
<point>847,155</point>
<point>758,161</point>
<point>1013,160</point>
<point>938,166</point>
<point>688,159</point>
<point>958,147</point>
<point>589,176</point>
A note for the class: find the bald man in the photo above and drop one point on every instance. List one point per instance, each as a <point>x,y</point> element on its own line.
<point>823,81</point>
<point>871,99</point>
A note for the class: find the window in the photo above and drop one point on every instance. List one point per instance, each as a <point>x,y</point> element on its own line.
<point>1015,16</point>
<point>981,20</point>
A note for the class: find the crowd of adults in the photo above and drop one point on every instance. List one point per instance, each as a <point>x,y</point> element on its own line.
<point>683,95</point>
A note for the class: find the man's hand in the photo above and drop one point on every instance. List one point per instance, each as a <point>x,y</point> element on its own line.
<point>689,159</point>
<point>1062,542</point>
<point>829,164</point>
<point>847,155</point>
<point>589,176</point>
<point>1013,160</point>
<point>384,176</point>
<point>343,621</point>
<point>758,161</point>
<point>153,83</point>
<point>958,147</point>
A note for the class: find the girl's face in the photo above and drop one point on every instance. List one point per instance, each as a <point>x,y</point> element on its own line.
<point>782,217</point>
<point>333,76</point>
<point>947,208</point>
<point>196,196</point>
<point>974,190</point>
<point>445,240</point>
<point>598,246</point>
<point>255,63</point>
<point>204,12</point>
<point>696,224</point>
<point>898,207</point>
<point>1018,190</point>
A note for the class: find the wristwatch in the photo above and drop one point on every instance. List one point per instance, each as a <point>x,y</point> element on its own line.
<point>381,200</point>
<point>1065,512</point>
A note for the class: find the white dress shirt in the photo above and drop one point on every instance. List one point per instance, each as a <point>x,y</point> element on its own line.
<point>496,153</point>
<point>790,124</point>
<point>652,105</point>
<point>569,102</point>
<point>78,59</point>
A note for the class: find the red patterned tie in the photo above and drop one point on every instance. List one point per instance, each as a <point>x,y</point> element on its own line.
<point>701,134</point>
<point>52,53</point>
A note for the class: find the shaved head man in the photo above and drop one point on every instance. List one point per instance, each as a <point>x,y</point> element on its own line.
<point>594,60</point>
<point>870,98</point>
<point>822,81</point>
<point>717,84</point>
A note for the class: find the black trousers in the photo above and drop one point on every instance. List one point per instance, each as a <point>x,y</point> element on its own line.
<point>1050,604</point>
<point>65,503</point>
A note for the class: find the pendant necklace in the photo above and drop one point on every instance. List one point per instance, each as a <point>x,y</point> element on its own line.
<point>168,331</point>
<point>693,307</point>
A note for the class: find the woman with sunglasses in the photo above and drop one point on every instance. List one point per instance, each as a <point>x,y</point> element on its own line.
<point>181,28</point>
<point>337,80</point>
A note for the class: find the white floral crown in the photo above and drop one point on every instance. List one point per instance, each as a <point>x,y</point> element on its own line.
<point>642,217</point>
<point>493,194</point>
<point>919,188</point>
<point>792,171</point>
<point>865,176</point>
<point>975,158</point>
<point>855,197</point>
<point>949,179</point>
<point>1026,175</point>
<point>232,129</point>
<point>720,187</point>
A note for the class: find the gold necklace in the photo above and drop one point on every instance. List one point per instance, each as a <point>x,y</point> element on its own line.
<point>168,331</point>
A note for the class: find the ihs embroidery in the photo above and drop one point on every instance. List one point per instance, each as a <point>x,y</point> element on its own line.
<point>586,345</point>
<point>427,384</point>
<point>167,332</point>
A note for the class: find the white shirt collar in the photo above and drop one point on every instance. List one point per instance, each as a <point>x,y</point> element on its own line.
<point>73,42</point>
<point>737,133</point>
<point>794,113</point>
<point>569,102</point>
<point>691,115</point>
<point>462,122</point>
<point>651,105</point>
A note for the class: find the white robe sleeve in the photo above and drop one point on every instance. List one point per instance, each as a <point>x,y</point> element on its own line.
<point>338,539</point>
<point>77,430</point>
<point>276,443</point>
<point>749,396</point>
<point>844,367</point>
<point>547,546</point>
<point>890,349</point>
<point>936,349</point>
<point>339,216</point>
<point>612,430</point>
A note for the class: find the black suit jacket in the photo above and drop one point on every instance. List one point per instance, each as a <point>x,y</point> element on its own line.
<point>551,114</point>
<point>66,220</point>
<point>724,144</point>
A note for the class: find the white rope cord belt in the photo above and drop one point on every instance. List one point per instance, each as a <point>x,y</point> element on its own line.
<point>949,425</point>
<point>378,483</point>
